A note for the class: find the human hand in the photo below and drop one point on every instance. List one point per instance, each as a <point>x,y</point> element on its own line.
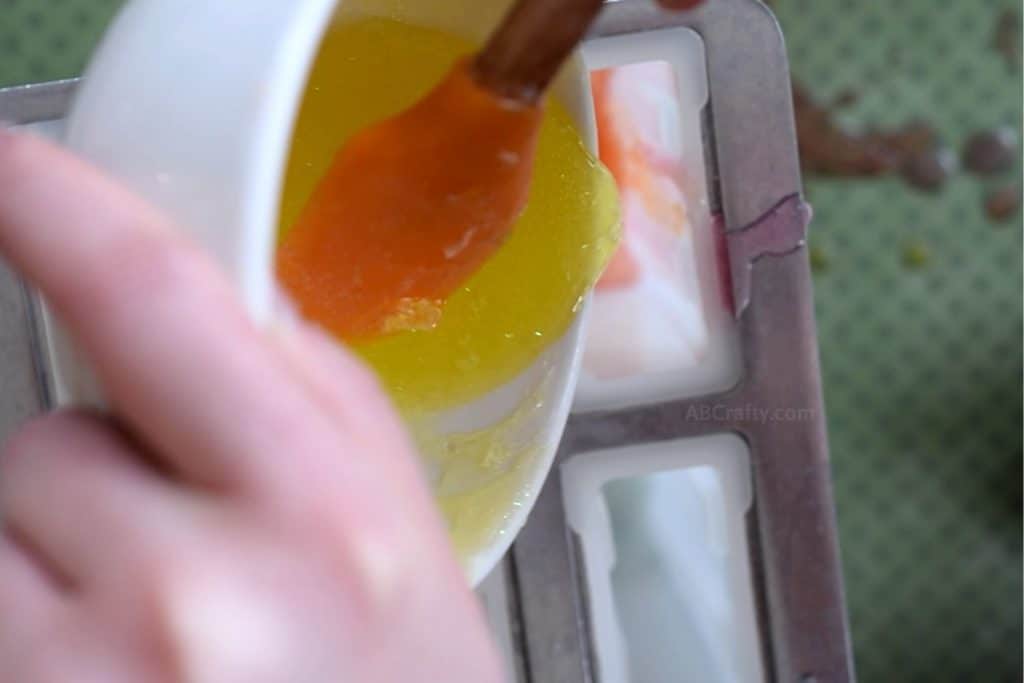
<point>251,512</point>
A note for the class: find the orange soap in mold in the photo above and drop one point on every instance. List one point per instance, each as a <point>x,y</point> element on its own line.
<point>647,315</point>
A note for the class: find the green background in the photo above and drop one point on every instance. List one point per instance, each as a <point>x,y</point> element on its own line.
<point>921,361</point>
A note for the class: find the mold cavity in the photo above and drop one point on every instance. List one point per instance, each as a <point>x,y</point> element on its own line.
<point>660,325</point>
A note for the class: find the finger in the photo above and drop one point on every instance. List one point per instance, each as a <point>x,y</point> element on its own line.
<point>31,599</point>
<point>377,517</point>
<point>380,514</point>
<point>176,354</point>
<point>344,385</point>
<point>29,594</point>
<point>347,390</point>
<point>75,649</point>
<point>72,486</point>
<point>351,393</point>
<point>25,580</point>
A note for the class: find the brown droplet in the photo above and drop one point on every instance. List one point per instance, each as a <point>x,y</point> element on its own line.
<point>992,151</point>
<point>1003,202</point>
<point>914,137</point>
<point>929,170</point>
<point>1006,37</point>
<point>846,98</point>
<point>826,149</point>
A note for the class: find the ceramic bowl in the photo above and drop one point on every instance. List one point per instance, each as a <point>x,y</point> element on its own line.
<point>191,104</point>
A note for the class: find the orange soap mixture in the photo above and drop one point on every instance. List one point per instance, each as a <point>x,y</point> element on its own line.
<point>437,352</point>
<point>425,198</point>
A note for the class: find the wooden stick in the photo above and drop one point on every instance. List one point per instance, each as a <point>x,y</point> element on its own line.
<point>531,44</point>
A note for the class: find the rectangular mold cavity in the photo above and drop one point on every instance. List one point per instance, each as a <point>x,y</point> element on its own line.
<point>662,543</point>
<point>661,324</point>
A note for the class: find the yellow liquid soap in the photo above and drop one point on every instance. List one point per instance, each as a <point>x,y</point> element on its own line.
<point>521,301</point>
<point>525,296</point>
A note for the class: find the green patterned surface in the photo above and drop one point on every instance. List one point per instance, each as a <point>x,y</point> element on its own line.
<point>48,39</point>
<point>922,363</point>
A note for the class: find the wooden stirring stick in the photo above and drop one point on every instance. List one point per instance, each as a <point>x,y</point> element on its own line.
<point>413,206</point>
<point>534,40</point>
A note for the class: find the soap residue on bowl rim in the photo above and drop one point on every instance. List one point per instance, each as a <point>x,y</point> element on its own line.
<point>481,476</point>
